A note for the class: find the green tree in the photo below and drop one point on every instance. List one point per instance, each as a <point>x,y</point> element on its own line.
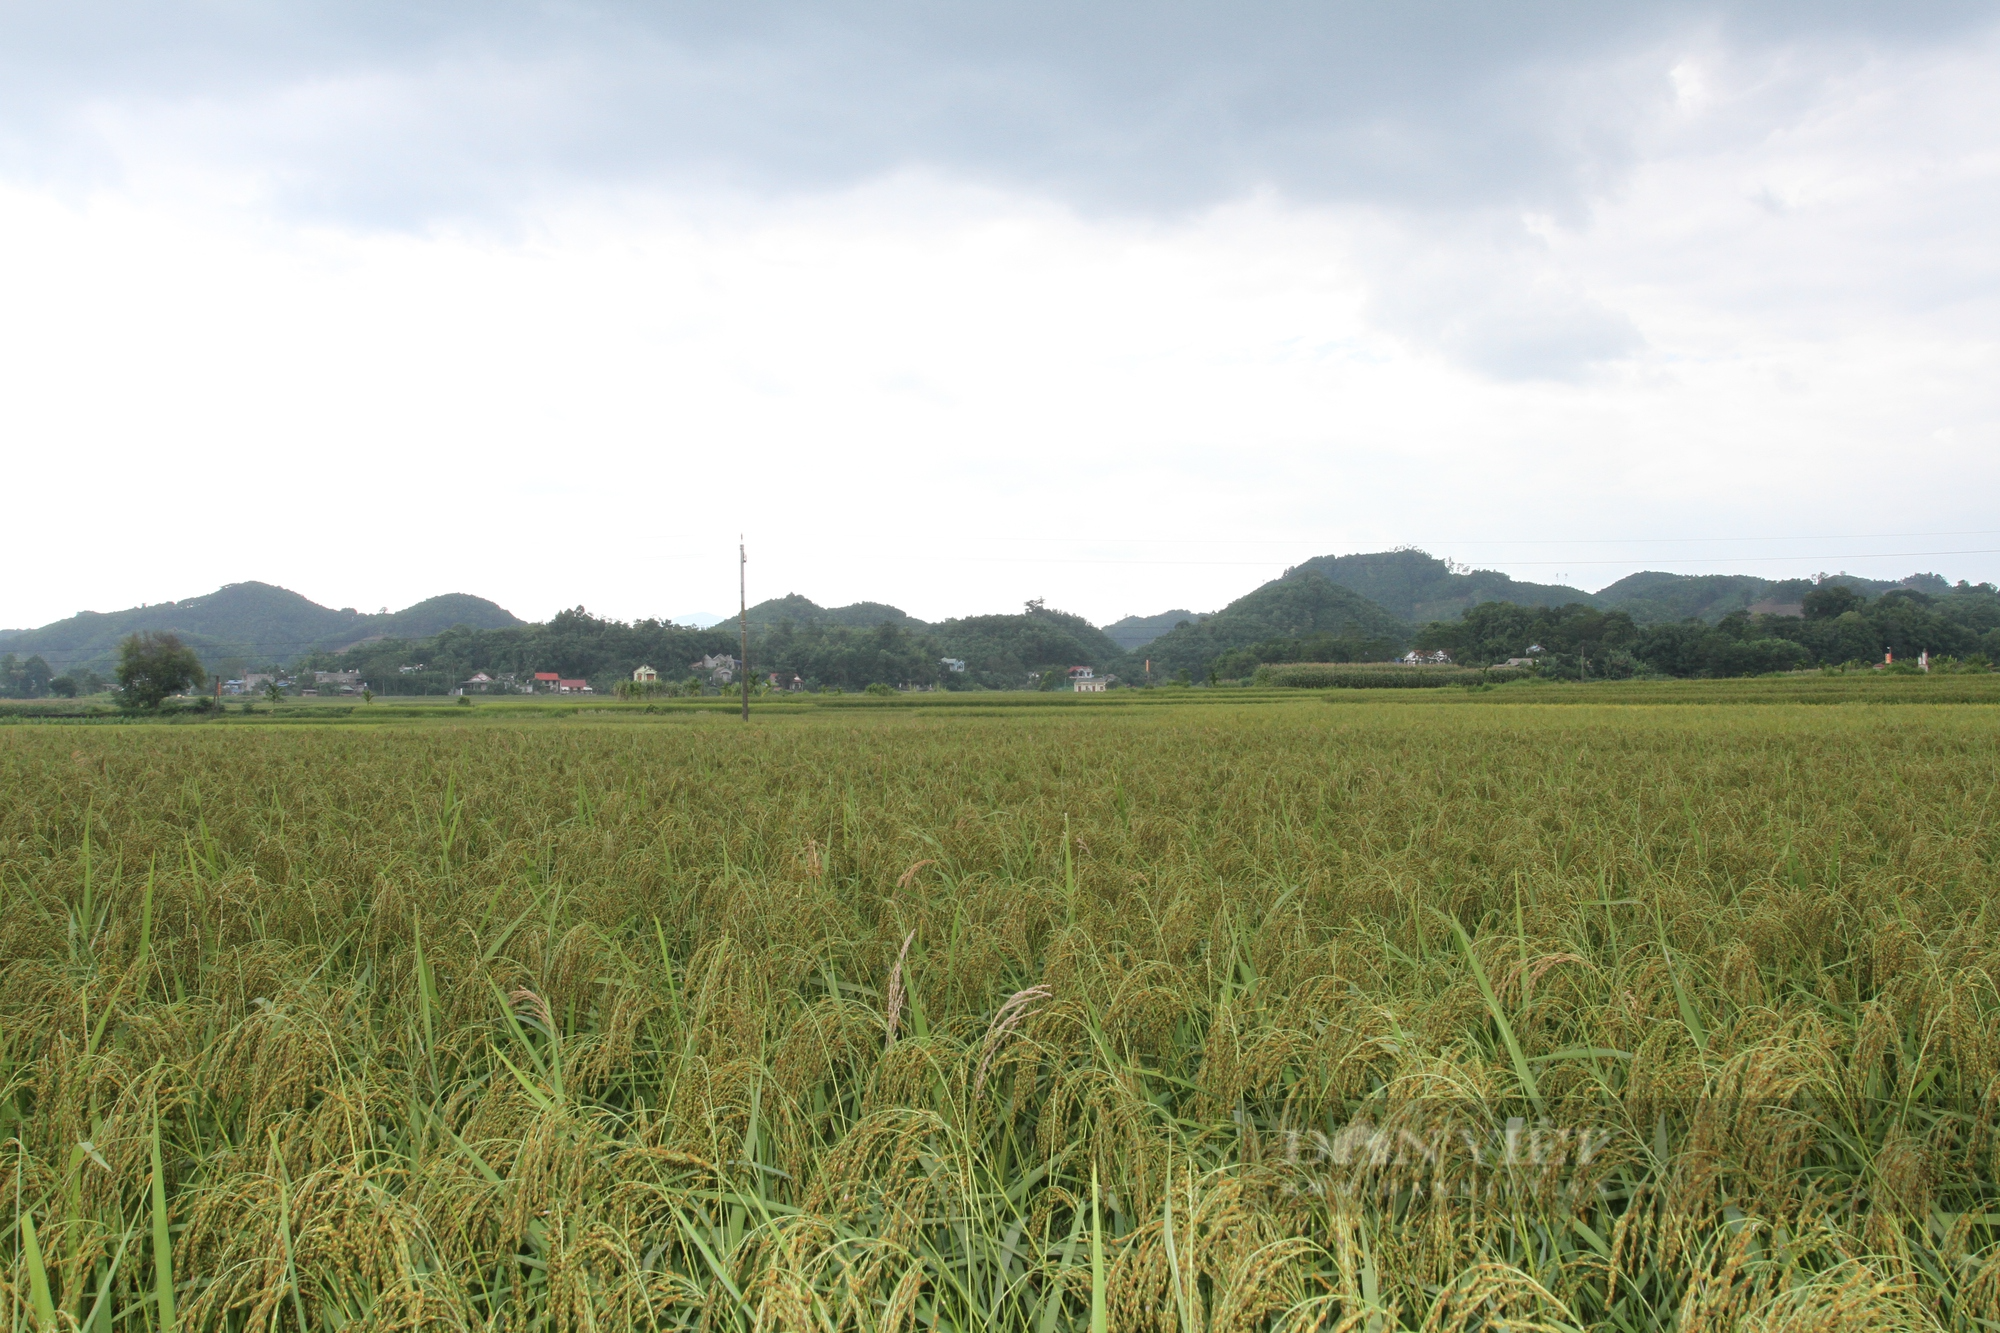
<point>152,665</point>
<point>1831,600</point>
<point>36,675</point>
<point>25,680</point>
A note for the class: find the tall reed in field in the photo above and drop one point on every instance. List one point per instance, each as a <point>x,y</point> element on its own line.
<point>1366,1017</point>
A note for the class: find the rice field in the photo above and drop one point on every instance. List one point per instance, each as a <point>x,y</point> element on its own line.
<point>1381,1014</point>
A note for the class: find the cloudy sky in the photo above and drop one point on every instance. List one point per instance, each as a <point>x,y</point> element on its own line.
<point>1125,306</point>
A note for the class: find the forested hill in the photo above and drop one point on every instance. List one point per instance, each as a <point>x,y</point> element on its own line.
<point>1653,597</point>
<point>254,624</point>
<point>801,612</point>
<point>1301,606</point>
<point>1416,587</point>
<point>1420,588</point>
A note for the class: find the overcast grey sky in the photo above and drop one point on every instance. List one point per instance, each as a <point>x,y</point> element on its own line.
<point>1124,306</point>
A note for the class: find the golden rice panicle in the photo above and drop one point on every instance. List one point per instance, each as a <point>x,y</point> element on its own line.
<point>583,1021</point>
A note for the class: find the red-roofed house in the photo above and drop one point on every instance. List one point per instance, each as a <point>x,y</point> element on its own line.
<point>573,687</point>
<point>547,680</point>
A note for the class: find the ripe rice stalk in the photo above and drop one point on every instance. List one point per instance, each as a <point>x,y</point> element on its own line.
<point>893,1004</point>
<point>610,1063</point>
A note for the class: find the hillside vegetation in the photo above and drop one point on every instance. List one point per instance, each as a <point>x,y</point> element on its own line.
<point>1415,587</point>
<point>1838,626</point>
<point>1300,605</point>
<point>804,613</point>
<point>255,624</point>
<point>1354,608</point>
<point>1138,631</point>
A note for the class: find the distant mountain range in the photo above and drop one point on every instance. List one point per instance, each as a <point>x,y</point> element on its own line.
<point>255,622</point>
<point>1376,596</point>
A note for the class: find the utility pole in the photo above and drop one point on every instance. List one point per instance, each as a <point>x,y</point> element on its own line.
<point>743,619</point>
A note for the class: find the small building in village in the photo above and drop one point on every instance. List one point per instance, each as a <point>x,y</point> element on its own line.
<point>720,668</point>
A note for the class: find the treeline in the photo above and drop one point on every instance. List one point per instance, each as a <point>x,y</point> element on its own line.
<point>1300,618</point>
<point>1312,648</point>
<point>1839,626</point>
<point>33,678</point>
<point>1035,647</point>
<point>573,643</point>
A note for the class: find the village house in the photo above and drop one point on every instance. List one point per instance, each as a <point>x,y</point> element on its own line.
<point>547,680</point>
<point>573,687</point>
<point>645,675</point>
<point>1416,658</point>
<point>721,668</point>
<point>1091,684</point>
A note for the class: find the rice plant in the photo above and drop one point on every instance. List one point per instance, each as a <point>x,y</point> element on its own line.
<point>1401,1013</point>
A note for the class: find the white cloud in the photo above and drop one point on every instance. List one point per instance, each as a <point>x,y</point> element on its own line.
<point>1762,308</point>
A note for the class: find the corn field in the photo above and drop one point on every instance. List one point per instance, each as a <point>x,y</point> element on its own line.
<point>1276,1015</point>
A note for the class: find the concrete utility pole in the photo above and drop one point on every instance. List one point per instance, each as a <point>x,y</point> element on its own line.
<point>743,619</point>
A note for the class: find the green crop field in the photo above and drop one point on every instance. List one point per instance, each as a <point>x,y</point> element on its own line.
<point>1531,1007</point>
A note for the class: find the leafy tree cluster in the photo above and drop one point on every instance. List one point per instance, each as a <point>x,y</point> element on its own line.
<point>29,679</point>
<point>1840,625</point>
<point>153,666</point>
<point>572,643</point>
<point>846,658</point>
<point>1000,652</point>
<point>1240,662</point>
<point>33,678</point>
